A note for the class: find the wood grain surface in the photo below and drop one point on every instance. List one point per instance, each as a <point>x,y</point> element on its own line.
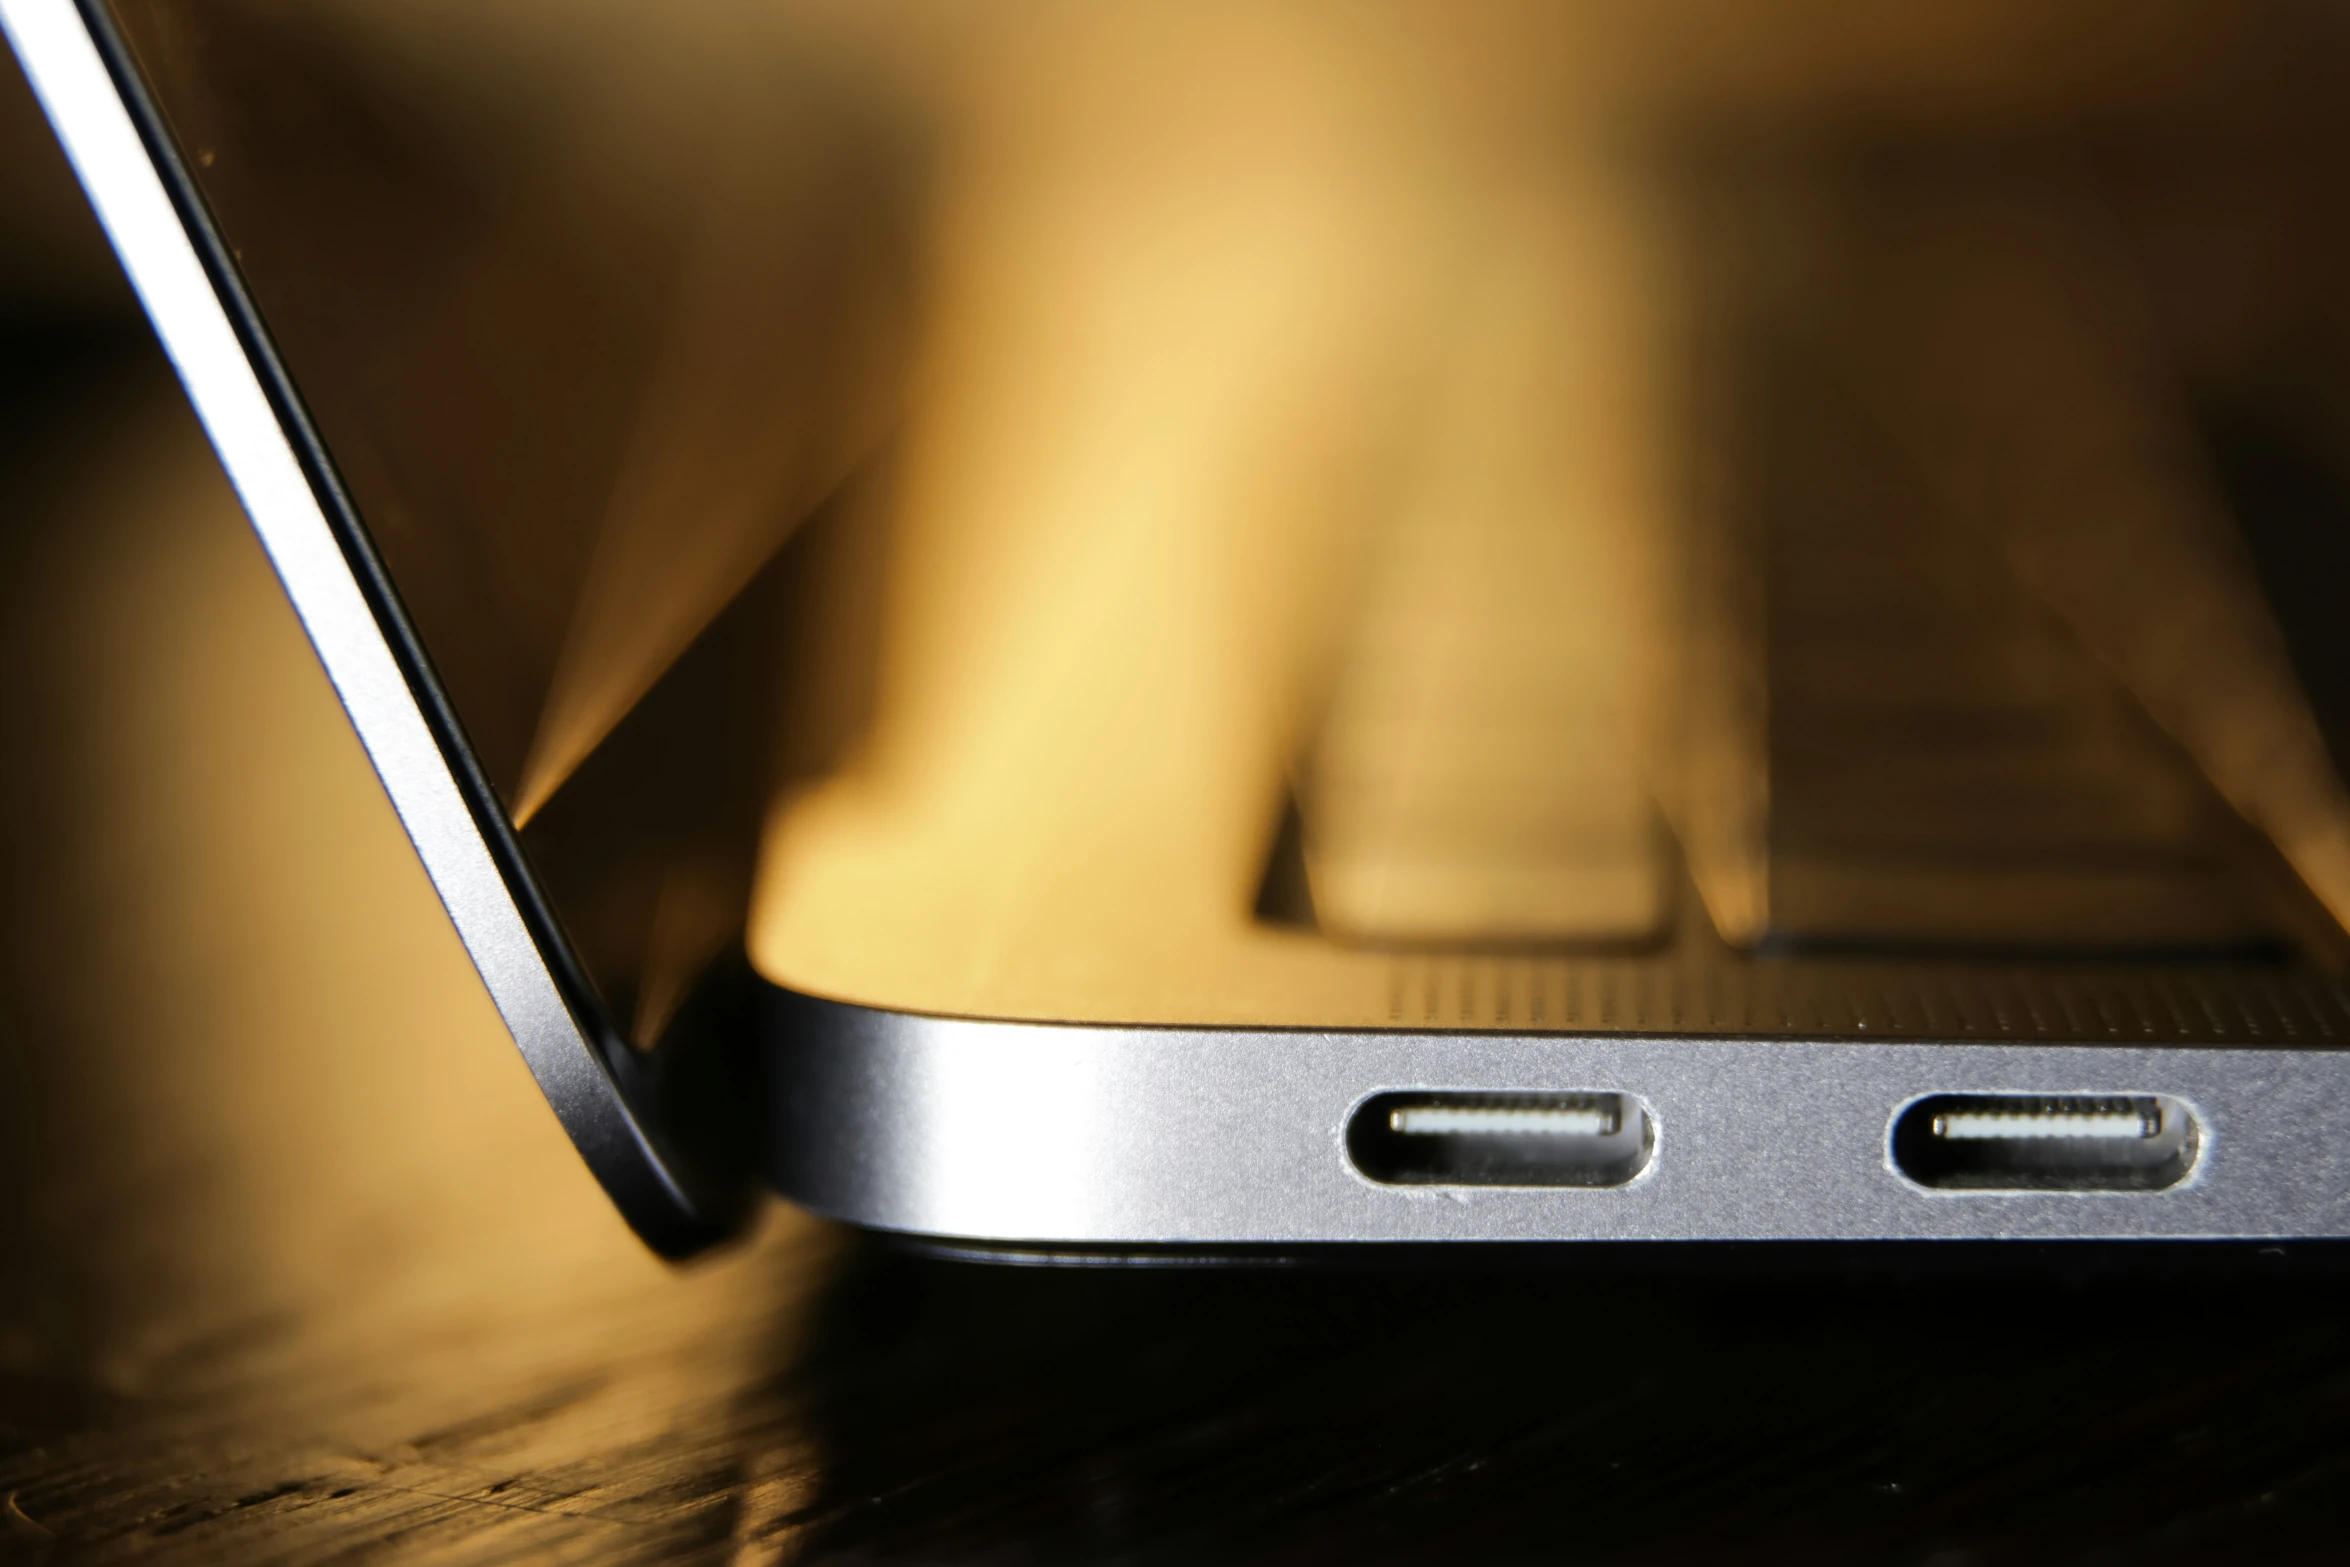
<point>295,1266</point>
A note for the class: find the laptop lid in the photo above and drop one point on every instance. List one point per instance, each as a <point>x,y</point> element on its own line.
<point>559,756</point>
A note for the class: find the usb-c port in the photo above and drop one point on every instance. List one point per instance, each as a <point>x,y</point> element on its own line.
<point>1511,1139</point>
<point>2046,1142</point>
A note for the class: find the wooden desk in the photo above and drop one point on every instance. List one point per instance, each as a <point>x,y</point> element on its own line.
<point>299,1268</point>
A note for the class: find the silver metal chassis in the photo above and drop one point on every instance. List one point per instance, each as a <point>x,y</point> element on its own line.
<point>1035,1133</point>
<point>1049,1134</point>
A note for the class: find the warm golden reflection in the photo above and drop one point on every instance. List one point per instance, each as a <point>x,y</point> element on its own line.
<point>1610,510</point>
<point>1182,513</point>
<point>1478,772</point>
<point>750,419</point>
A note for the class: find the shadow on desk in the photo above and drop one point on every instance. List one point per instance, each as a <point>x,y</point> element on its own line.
<point>298,1267</point>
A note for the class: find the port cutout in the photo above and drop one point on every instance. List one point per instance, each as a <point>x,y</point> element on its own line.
<point>2046,1142</point>
<point>1500,1139</point>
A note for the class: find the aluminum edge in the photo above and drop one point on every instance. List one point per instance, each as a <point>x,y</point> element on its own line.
<point>1028,1133</point>
<point>69,76</point>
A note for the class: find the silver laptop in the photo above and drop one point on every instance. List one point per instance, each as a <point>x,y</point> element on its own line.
<point>1078,628</point>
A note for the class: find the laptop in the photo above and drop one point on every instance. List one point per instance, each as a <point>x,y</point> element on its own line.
<point>1079,630</point>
